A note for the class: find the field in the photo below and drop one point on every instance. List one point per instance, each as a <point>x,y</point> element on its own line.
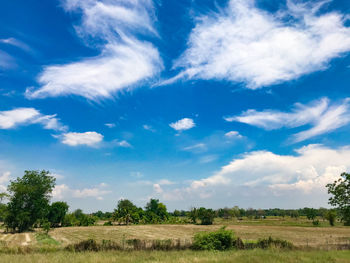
<point>316,244</point>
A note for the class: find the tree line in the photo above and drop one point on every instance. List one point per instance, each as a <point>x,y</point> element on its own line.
<point>29,206</point>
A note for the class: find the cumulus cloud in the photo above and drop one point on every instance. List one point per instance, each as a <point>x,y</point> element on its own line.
<point>113,27</point>
<point>306,172</point>
<point>243,43</point>
<point>25,116</point>
<point>86,138</point>
<point>321,115</point>
<point>183,124</point>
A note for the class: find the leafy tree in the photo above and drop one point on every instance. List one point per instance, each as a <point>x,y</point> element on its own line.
<point>156,211</point>
<point>57,212</point>
<point>331,215</point>
<point>127,212</point>
<point>193,215</point>
<point>340,189</point>
<point>206,216</point>
<point>311,213</point>
<point>3,207</point>
<point>29,199</point>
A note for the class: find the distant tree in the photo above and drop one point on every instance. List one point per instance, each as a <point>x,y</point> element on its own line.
<point>126,212</point>
<point>57,212</point>
<point>331,216</point>
<point>206,216</point>
<point>156,211</point>
<point>294,214</point>
<point>29,199</point>
<point>193,215</point>
<point>176,213</point>
<point>311,213</point>
<point>3,207</point>
<point>340,191</point>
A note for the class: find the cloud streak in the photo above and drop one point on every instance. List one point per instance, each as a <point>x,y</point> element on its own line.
<point>112,27</point>
<point>25,116</point>
<point>321,115</point>
<point>243,43</point>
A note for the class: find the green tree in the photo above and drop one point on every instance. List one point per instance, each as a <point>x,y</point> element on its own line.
<point>126,212</point>
<point>331,215</point>
<point>29,198</point>
<point>311,213</point>
<point>193,215</point>
<point>340,191</point>
<point>156,212</point>
<point>206,216</point>
<point>3,207</point>
<point>57,212</point>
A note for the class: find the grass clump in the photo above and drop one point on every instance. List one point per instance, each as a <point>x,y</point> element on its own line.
<point>45,239</point>
<point>221,239</point>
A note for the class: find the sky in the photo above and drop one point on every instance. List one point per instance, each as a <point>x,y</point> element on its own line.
<point>193,102</point>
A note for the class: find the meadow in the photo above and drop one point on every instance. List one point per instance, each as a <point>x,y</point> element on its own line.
<point>313,244</point>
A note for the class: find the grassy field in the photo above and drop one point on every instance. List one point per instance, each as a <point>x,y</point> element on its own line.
<point>301,233</point>
<point>184,256</point>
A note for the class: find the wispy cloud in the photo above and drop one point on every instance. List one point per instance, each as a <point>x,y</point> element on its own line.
<point>243,43</point>
<point>26,116</point>
<point>323,116</point>
<point>183,124</point>
<point>117,24</point>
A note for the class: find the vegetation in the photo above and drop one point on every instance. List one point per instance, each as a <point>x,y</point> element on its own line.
<point>29,200</point>
<point>217,240</point>
<point>340,191</point>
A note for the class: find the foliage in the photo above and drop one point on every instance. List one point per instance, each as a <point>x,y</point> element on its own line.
<point>217,240</point>
<point>316,222</point>
<point>331,215</point>
<point>78,218</point>
<point>29,199</point>
<point>126,212</point>
<point>193,215</point>
<point>57,212</point>
<point>156,212</point>
<point>340,191</point>
<point>206,216</point>
<point>311,213</point>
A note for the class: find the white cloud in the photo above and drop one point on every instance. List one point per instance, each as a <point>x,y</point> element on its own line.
<point>183,124</point>
<point>25,116</point>
<point>157,188</point>
<point>304,174</point>
<point>148,128</point>
<point>110,125</point>
<point>323,117</point>
<point>117,24</point>
<point>233,135</point>
<point>123,144</point>
<point>243,43</point>
<point>85,138</point>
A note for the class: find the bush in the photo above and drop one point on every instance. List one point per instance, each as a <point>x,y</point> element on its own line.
<point>316,222</point>
<point>275,243</point>
<point>218,240</point>
<point>86,245</point>
<point>108,223</point>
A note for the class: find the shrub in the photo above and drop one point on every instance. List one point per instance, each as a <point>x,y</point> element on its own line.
<point>275,243</point>
<point>108,223</point>
<point>316,222</point>
<point>218,240</point>
<point>86,245</point>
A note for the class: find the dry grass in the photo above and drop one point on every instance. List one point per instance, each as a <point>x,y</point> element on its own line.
<point>314,237</point>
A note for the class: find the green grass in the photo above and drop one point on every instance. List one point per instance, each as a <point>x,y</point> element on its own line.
<point>45,239</point>
<point>252,256</point>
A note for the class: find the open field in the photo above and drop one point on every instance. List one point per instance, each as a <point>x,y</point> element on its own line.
<point>252,256</point>
<point>313,237</point>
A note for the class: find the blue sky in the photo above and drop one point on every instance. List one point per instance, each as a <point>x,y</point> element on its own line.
<point>197,103</point>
